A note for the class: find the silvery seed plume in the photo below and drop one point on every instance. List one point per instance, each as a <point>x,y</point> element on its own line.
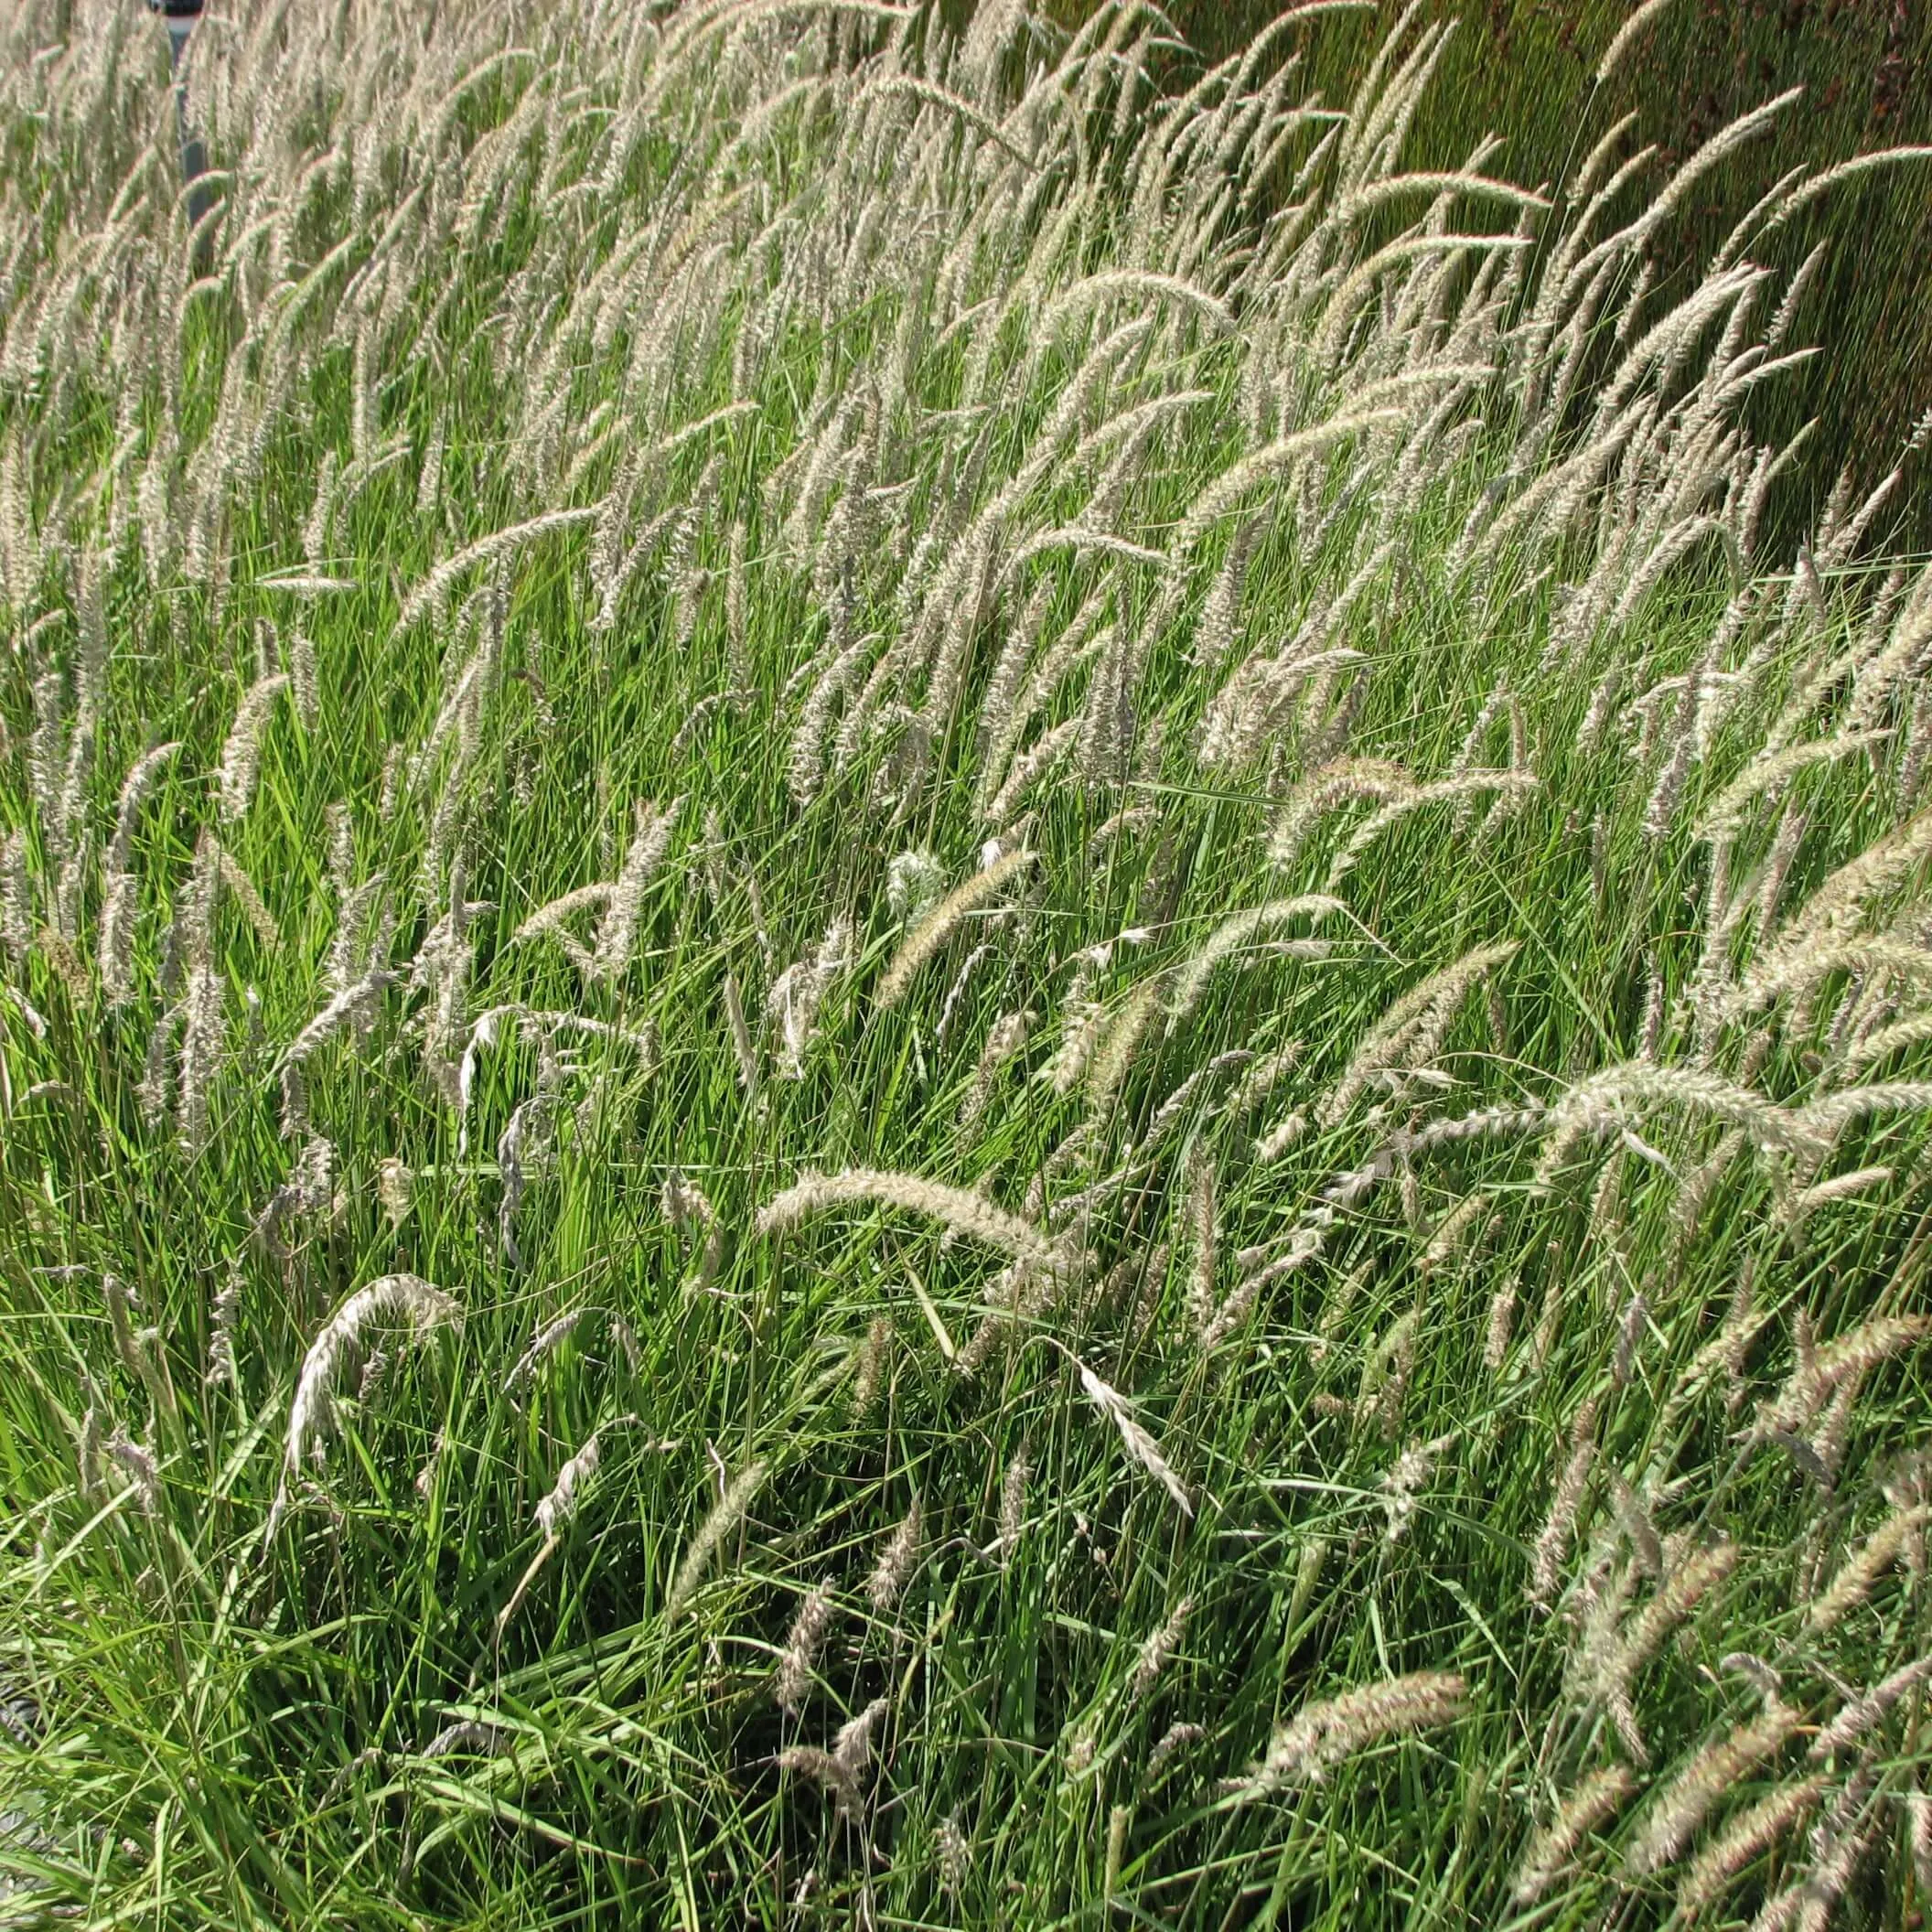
<point>1158,1650</point>
<point>242,889</point>
<point>1412,1032</point>
<point>1180,1099</point>
<point>797,993</point>
<point>471,1735</point>
<point>526,1151</point>
<point>686,1204</point>
<point>1411,1472</point>
<point>1013,1506</point>
<point>1454,1230</point>
<point>1869,1708</point>
<point>1139,1445</point>
<point>1918,1811</point>
<point>352,1009</point>
<point>203,1051</point>
<point>1743,1841</point>
<point>939,925</point>
<point>1553,1544</point>
<point>560,1504</point>
<point>1681,1806</point>
<point>741,1043</point>
<point>1846,1359</point>
<point>1593,1802</point>
<point>548,920</point>
<point>1683,1589</point>
<point>405,1297</point>
<point>1004,1038</point>
<point>825,1769</point>
<point>1838,1844</point>
<point>429,595</point>
<point>915,883</point>
<point>873,1357</point>
<point>17,898</point>
<point>395,1183</point>
<point>1233,934</point>
<point>1509,789</point>
<point>1892,1541</point>
<point>957,1208</point>
<point>1327,1730</point>
<point>241,756</point>
<point>616,938</point>
<point>1201,1209</point>
<point>223,1315</point>
<point>955,1854</point>
<point>725,1517</point>
<point>1125,1031</point>
<point>141,1467</point>
<point>1226,491</point>
<point>895,1561</point>
<point>547,1340</point>
<point>792,1684</point>
<point>142,778</point>
<point>852,1745</point>
<point>1618,1097</point>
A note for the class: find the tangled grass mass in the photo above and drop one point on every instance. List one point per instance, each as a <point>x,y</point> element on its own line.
<point>941,987</point>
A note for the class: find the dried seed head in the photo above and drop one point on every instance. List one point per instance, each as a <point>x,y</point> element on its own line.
<point>1710,1776</point>
<point>1202,1212</point>
<point>1501,1325</point>
<point>560,1504</point>
<point>1552,1851</point>
<point>1323,1733</point>
<point>872,1358</point>
<point>1869,1708</point>
<point>925,940</point>
<point>1012,1506</point>
<point>915,882</point>
<point>1177,1737</point>
<point>405,1296</point>
<point>375,1367</point>
<point>1158,1650</point>
<point>958,1208</point>
<point>1004,1038</point>
<point>852,1745</point>
<point>1553,1542</point>
<point>241,756</point>
<point>797,993</point>
<point>955,1856</point>
<point>617,936</point>
<point>823,1768</point>
<point>792,1684</point>
<point>1688,1582</point>
<point>547,1340</point>
<point>1141,1445</point>
<point>143,1468</point>
<point>394,1186</point>
<point>895,1561</point>
<point>1742,1842</point>
<point>724,1517</point>
<point>89,1482</point>
<point>1413,1471</point>
<point>1894,1538</point>
<point>1630,1332</point>
<point>686,1204</point>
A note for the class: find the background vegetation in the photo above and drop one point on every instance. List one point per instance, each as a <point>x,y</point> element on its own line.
<point>1525,70</point>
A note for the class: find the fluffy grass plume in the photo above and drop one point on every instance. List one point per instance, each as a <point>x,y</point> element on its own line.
<point>1221,1206</point>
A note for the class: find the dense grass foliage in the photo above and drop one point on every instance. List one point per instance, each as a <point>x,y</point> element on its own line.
<point>934,994</point>
<point>1527,70</point>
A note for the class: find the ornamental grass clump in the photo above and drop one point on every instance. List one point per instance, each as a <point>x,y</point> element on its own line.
<point>1099,851</point>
